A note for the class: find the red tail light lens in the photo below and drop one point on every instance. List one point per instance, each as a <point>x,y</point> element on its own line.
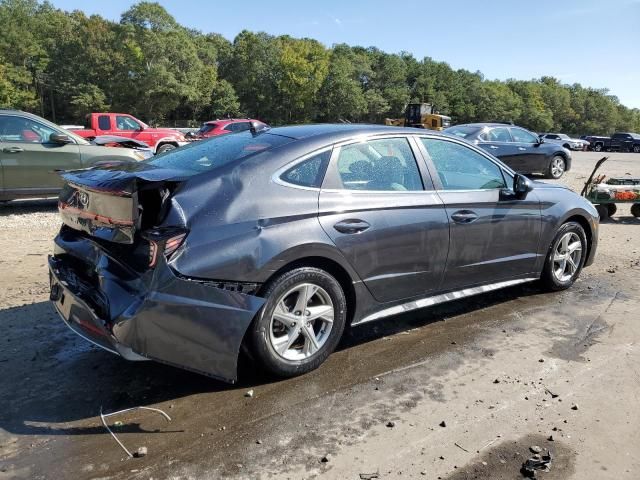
<point>163,241</point>
<point>172,244</point>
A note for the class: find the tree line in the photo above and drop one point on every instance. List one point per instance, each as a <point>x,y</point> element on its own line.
<point>63,65</point>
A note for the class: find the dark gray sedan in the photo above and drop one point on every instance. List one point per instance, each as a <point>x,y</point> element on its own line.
<point>520,149</point>
<point>277,239</point>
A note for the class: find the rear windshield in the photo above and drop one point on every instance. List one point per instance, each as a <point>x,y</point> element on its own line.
<point>205,155</point>
<point>462,132</point>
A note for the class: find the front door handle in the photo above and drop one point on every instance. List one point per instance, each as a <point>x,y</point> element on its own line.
<point>522,149</point>
<point>464,216</point>
<point>493,147</point>
<point>352,225</point>
<point>13,149</point>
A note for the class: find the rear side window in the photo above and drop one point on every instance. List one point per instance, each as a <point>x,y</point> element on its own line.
<point>385,165</point>
<point>309,172</point>
<point>461,168</point>
<point>104,123</point>
<point>207,155</point>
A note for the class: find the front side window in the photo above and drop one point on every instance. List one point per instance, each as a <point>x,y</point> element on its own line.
<point>522,136</point>
<point>23,130</point>
<point>461,168</point>
<point>126,123</point>
<point>385,165</point>
<point>309,172</point>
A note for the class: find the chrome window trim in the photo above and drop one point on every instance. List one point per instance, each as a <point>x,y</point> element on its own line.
<point>441,298</point>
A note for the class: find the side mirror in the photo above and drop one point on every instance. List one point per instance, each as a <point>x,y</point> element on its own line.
<point>540,141</point>
<point>521,186</point>
<point>60,138</point>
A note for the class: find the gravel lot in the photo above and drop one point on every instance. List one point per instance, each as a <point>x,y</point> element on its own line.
<point>504,372</point>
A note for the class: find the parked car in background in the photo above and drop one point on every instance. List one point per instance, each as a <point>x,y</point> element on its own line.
<point>124,125</point>
<point>565,140</point>
<point>33,150</point>
<point>520,149</point>
<point>618,142</point>
<point>278,239</point>
<point>221,127</point>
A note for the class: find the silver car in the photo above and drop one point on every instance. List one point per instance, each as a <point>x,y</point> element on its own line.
<point>565,140</point>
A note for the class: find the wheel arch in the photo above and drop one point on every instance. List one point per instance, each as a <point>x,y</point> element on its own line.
<point>166,141</point>
<point>329,265</point>
<point>586,226</point>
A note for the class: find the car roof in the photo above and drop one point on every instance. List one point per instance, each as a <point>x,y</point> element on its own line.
<point>346,130</point>
<point>485,124</point>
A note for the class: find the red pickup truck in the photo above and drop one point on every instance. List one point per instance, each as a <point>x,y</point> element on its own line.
<point>124,125</point>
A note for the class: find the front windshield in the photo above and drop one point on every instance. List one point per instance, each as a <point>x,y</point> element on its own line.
<point>635,136</point>
<point>461,131</point>
<point>563,136</point>
<point>205,155</point>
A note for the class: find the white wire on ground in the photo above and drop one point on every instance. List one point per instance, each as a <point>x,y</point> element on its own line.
<point>105,415</point>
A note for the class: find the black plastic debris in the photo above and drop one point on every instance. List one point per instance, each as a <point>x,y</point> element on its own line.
<point>536,463</point>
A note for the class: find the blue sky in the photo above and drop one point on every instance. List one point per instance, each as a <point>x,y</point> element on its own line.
<point>592,42</point>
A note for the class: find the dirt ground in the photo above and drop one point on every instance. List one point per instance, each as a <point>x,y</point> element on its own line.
<point>460,391</point>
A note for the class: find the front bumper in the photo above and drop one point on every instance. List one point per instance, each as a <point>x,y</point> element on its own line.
<point>156,315</point>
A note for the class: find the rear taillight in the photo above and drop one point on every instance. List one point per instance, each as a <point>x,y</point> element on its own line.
<point>172,244</point>
<point>165,241</point>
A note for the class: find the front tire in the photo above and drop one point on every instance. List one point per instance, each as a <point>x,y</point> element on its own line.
<point>635,210</point>
<point>565,258</point>
<point>557,167</point>
<point>597,147</point>
<point>636,149</point>
<point>165,148</point>
<point>301,322</point>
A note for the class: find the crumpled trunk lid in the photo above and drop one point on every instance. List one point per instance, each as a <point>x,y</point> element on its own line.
<point>112,201</point>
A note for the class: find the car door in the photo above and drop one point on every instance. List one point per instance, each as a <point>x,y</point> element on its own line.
<point>29,159</point>
<point>531,156</point>
<point>126,126</point>
<point>494,237</point>
<point>379,208</point>
<point>498,142</point>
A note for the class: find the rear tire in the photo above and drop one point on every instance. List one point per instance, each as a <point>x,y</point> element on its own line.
<point>557,167</point>
<point>635,210</point>
<point>603,212</point>
<point>636,149</point>
<point>281,334</point>
<point>565,258</point>
<point>611,209</point>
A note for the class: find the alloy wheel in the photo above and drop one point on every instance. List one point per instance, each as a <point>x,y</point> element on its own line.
<point>567,257</point>
<point>557,167</point>
<point>301,322</point>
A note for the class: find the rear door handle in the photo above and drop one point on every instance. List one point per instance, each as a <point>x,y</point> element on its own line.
<point>13,149</point>
<point>522,148</point>
<point>352,225</point>
<point>464,216</point>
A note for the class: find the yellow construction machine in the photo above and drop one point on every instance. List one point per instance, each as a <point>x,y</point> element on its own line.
<point>420,115</point>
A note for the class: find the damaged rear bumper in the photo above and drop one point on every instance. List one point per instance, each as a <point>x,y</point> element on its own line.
<point>156,315</point>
